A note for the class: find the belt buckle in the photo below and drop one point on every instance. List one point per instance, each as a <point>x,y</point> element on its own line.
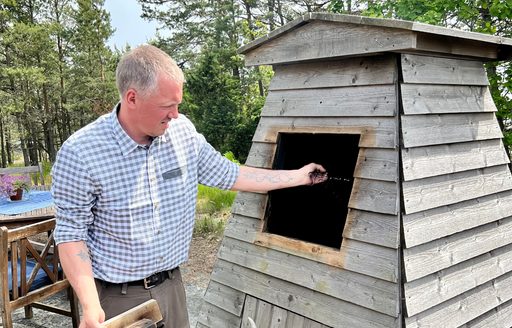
<point>149,282</point>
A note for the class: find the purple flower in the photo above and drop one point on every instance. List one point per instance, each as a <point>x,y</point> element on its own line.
<point>10,183</point>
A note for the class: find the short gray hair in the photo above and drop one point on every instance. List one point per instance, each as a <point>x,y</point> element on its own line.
<point>139,69</point>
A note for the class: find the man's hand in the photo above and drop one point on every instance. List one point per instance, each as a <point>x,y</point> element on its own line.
<point>316,173</point>
<point>92,318</point>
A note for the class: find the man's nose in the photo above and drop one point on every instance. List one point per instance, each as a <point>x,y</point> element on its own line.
<point>173,113</point>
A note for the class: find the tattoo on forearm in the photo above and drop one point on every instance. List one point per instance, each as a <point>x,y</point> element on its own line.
<point>272,177</point>
<point>84,256</point>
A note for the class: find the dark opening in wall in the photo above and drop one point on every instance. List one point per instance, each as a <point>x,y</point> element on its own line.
<point>317,213</point>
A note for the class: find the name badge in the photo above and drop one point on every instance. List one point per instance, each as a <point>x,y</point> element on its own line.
<point>172,173</point>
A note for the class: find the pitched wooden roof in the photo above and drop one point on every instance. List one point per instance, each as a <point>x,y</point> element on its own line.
<point>319,35</point>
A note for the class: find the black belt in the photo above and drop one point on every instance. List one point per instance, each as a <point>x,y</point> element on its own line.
<point>148,282</point>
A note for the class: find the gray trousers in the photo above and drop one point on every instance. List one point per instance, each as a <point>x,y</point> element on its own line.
<point>170,296</point>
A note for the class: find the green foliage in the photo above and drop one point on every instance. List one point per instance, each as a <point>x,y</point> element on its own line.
<point>213,200</point>
<point>210,225</point>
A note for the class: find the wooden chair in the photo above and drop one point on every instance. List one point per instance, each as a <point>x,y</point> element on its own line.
<point>145,315</point>
<point>28,275</point>
<point>35,172</point>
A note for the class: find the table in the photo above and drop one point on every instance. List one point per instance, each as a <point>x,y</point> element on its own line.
<point>35,206</point>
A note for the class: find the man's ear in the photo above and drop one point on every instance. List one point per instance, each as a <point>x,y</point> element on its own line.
<point>130,97</point>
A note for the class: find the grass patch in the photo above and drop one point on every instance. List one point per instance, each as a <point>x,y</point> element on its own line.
<point>211,200</point>
<point>207,225</point>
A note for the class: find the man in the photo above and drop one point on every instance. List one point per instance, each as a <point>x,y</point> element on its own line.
<point>125,189</point>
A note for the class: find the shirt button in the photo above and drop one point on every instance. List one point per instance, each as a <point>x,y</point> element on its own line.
<point>158,232</point>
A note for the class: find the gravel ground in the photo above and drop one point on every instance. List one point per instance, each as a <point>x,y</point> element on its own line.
<point>196,274</point>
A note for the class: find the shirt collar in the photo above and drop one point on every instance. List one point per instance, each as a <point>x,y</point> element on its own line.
<point>126,143</point>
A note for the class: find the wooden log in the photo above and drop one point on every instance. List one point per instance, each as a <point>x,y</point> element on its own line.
<point>379,132</point>
<point>465,307</point>
<point>147,310</point>
<point>443,253</point>
<point>335,73</point>
<point>319,307</point>
<point>319,39</point>
<point>371,293</point>
<point>437,70</point>
<point>445,99</point>
<point>425,130</point>
<point>423,227</point>
<point>428,193</point>
<point>424,162</point>
<point>434,289</point>
<point>376,100</point>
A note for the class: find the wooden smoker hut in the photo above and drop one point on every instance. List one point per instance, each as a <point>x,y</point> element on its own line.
<point>414,228</point>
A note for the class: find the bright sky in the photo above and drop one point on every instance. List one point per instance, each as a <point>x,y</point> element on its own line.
<point>130,28</point>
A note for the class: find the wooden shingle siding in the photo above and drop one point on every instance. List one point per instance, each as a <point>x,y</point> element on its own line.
<point>499,317</point>
<point>377,164</point>
<point>465,307</point>
<point>261,155</point>
<point>371,293</point>
<point>442,253</point>
<point>347,101</point>
<point>265,314</point>
<point>327,40</point>
<point>429,161</point>
<point>347,72</point>
<point>213,316</point>
<point>428,193</point>
<point>434,70</point>
<point>225,297</point>
<point>424,293</point>
<point>422,227</point>
<point>444,45</point>
<point>444,99</point>
<point>373,228</point>
<point>436,129</point>
<point>250,204</point>
<point>303,301</point>
<point>375,133</point>
<point>243,228</point>
<point>374,195</point>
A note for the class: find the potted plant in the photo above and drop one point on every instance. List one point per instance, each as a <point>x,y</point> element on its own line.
<point>12,186</point>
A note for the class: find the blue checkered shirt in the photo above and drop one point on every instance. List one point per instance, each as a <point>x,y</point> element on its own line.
<point>133,205</point>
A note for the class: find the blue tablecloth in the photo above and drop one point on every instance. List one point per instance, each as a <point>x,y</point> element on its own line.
<point>32,200</point>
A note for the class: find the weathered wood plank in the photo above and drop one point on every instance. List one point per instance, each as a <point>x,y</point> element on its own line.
<point>437,70</point>
<point>263,314</point>
<point>444,99</point>
<point>371,293</point>
<point>425,130</point>
<point>212,316</point>
<point>465,307</point>
<point>442,253</point>
<point>422,227</point>
<point>376,100</point>
<point>250,204</point>
<point>279,317</point>
<point>434,289</point>
<point>325,309</point>
<point>225,297</point>
<point>373,228</point>
<point>294,320</point>
<point>378,132</point>
<point>374,261</point>
<point>243,228</point>
<point>250,309</point>
<point>499,317</point>
<point>375,196</point>
<point>339,73</point>
<point>377,164</point>
<point>319,39</point>
<point>447,45</point>
<point>424,194</point>
<point>261,155</point>
<point>380,261</point>
<point>430,161</point>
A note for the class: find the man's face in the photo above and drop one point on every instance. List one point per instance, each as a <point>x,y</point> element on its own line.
<point>155,111</point>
